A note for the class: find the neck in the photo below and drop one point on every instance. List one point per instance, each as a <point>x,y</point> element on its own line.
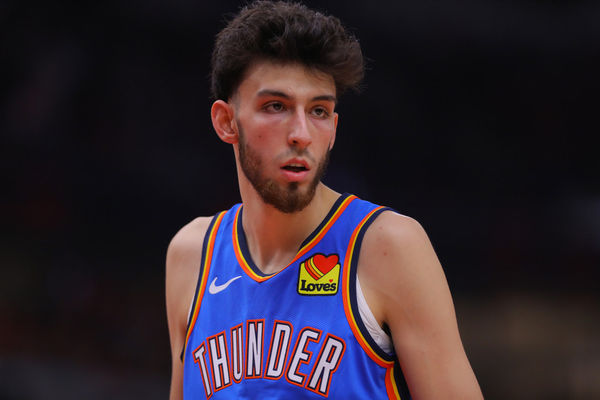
<point>274,237</point>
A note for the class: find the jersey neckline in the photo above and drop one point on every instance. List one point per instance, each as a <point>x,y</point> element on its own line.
<point>242,252</point>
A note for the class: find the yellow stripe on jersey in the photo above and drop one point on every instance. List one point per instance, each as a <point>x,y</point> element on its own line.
<point>390,384</point>
<point>346,293</point>
<point>205,269</point>
<point>306,248</point>
<point>390,381</point>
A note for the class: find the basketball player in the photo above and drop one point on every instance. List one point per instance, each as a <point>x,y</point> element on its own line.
<point>301,292</point>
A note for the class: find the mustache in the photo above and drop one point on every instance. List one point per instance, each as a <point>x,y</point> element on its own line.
<point>300,153</point>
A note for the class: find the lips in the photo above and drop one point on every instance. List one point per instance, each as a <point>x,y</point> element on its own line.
<point>295,165</point>
<point>295,170</point>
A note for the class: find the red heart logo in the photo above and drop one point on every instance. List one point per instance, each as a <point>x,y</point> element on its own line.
<point>325,264</point>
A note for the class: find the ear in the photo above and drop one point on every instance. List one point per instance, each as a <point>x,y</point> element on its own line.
<point>335,122</point>
<point>223,120</point>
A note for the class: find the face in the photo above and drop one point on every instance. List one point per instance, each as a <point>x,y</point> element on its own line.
<point>286,198</point>
<point>286,125</point>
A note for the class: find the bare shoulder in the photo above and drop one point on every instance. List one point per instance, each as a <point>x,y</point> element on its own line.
<point>397,263</point>
<point>391,228</point>
<point>182,267</point>
<point>193,231</point>
<point>405,286</point>
<point>397,240</point>
<point>187,242</point>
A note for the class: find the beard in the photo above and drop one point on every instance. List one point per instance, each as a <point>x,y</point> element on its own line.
<point>285,198</point>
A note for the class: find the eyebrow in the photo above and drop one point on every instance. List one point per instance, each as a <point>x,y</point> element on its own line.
<point>277,93</point>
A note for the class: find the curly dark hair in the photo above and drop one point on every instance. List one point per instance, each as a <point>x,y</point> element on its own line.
<point>289,33</point>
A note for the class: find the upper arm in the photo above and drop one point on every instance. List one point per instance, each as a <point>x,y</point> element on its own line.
<point>182,268</point>
<point>406,288</point>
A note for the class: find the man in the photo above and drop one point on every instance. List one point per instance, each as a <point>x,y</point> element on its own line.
<point>300,292</point>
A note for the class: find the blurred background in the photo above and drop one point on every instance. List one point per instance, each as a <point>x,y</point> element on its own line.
<point>478,118</point>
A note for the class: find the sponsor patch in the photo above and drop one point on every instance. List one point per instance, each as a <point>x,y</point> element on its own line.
<point>319,275</point>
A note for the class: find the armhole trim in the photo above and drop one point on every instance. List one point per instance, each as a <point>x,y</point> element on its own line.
<point>349,289</point>
<point>395,383</point>
<point>207,250</point>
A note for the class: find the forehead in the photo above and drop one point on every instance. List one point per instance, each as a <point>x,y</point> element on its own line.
<point>295,80</point>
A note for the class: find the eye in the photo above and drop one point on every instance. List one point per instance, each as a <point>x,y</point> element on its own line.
<point>274,106</point>
<point>320,112</point>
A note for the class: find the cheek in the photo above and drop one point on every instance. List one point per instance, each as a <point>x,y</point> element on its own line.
<point>327,126</point>
<point>326,130</point>
<point>264,128</point>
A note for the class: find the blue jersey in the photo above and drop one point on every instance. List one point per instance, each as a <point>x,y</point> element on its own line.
<point>295,334</point>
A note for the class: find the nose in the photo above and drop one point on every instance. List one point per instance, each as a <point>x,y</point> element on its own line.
<point>299,135</point>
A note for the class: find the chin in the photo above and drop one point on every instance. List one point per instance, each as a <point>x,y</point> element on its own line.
<point>289,199</point>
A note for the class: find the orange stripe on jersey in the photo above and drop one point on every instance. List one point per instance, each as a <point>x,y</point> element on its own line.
<point>346,293</point>
<point>238,252</point>
<point>205,269</point>
<point>390,384</point>
<point>306,248</point>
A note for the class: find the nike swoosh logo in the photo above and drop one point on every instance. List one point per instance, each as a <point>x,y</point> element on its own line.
<point>214,288</point>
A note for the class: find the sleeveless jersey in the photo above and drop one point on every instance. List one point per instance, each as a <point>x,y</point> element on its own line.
<point>295,334</point>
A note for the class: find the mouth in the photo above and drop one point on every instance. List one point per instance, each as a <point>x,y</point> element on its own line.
<point>295,170</point>
<point>295,167</point>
